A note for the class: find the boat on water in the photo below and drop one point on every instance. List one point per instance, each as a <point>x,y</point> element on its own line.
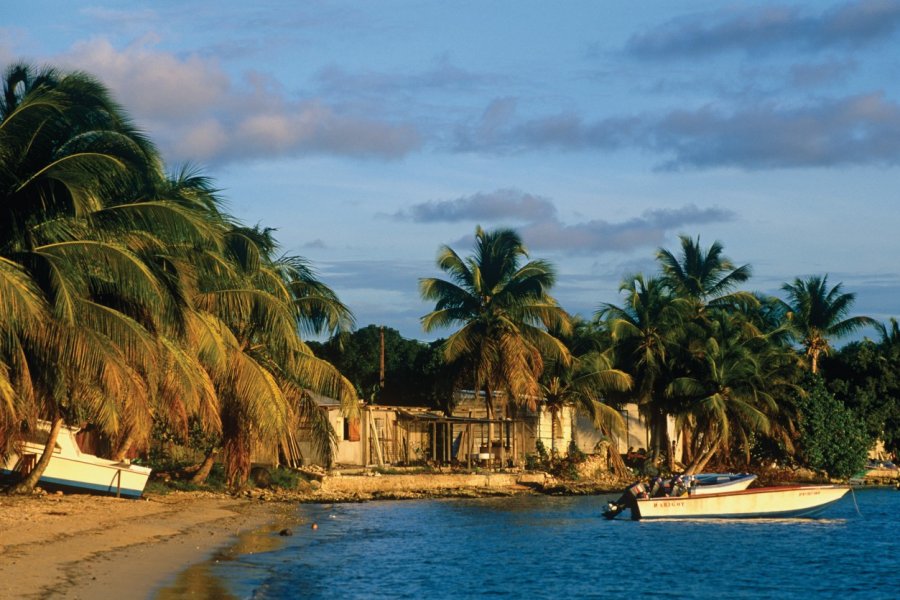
<point>70,469</point>
<point>789,501</point>
<point>716,483</point>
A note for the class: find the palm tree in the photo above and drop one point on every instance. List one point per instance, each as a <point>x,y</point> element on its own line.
<point>254,304</point>
<point>890,336</point>
<point>703,276</point>
<point>503,309</point>
<point>64,145</point>
<point>584,383</point>
<point>732,394</point>
<point>645,332</point>
<point>817,313</point>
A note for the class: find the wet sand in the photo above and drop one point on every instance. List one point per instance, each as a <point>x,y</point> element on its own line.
<point>79,546</point>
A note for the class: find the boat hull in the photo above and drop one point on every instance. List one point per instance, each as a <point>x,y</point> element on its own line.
<point>773,502</point>
<point>71,470</point>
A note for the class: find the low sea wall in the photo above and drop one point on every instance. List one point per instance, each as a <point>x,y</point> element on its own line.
<point>371,484</point>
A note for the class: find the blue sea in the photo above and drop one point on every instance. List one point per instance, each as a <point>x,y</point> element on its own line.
<point>556,547</point>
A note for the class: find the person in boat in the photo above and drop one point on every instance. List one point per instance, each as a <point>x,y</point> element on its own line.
<point>679,487</point>
<point>657,487</point>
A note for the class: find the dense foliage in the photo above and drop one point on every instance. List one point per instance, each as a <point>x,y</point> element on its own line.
<point>865,376</point>
<point>831,437</point>
<point>128,297</point>
<point>415,373</point>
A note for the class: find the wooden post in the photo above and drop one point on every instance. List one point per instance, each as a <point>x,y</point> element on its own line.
<point>375,439</point>
<point>470,442</point>
<point>118,483</point>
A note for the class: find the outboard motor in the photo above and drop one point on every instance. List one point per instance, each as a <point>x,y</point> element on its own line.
<point>627,500</point>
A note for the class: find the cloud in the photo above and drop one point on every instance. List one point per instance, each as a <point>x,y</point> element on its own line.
<point>766,29</point>
<point>501,130</point>
<point>856,130</point>
<point>199,113</point>
<point>597,235</point>
<point>542,229</point>
<point>503,204</point>
<point>862,129</point>
<point>827,72</point>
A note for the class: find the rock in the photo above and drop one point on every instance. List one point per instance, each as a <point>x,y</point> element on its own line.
<point>261,477</point>
<point>285,533</point>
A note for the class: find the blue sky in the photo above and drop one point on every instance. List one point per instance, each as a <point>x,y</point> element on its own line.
<point>371,133</point>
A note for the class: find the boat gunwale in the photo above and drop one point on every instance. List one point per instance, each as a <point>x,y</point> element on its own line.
<point>774,488</point>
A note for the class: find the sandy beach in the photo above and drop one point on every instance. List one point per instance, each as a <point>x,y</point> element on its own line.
<point>80,546</point>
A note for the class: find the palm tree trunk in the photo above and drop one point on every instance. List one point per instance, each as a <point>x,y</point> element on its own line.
<point>616,464</point>
<point>124,445</point>
<point>686,444</point>
<point>199,478</point>
<point>700,462</point>
<point>489,410</point>
<point>27,485</point>
<point>552,432</point>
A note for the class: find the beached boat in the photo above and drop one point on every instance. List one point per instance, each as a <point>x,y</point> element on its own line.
<point>70,469</point>
<point>790,501</point>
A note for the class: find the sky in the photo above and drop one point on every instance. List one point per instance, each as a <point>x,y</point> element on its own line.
<point>369,134</point>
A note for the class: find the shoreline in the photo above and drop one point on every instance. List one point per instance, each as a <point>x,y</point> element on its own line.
<point>88,546</point>
<point>82,546</point>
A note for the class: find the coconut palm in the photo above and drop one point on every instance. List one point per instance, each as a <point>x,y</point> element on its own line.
<point>646,332</point>
<point>253,306</point>
<point>733,393</point>
<point>703,276</point>
<point>503,309</point>
<point>583,383</point>
<point>817,313</point>
<point>63,146</point>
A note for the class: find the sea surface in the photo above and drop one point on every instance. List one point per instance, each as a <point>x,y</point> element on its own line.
<point>556,547</point>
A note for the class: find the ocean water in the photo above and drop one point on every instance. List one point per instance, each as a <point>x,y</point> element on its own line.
<point>556,547</point>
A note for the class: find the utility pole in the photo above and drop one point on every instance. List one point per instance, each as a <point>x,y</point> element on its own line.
<point>381,371</point>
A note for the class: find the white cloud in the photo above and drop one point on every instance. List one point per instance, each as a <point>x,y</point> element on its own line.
<point>198,112</point>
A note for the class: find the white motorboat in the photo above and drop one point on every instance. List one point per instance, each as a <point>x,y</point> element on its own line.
<point>70,469</point>
<point>790,501</point>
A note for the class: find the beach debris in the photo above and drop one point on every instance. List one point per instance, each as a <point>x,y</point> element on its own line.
<point>285,532</point>
<point>314,526</point>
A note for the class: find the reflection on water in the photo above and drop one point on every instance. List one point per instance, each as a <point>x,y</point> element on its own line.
<point>202,581</point>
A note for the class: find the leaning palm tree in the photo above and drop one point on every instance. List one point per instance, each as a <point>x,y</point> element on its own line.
<point>817,313</point>
<point>64,145</point>
<point>253,304</point>
<point>503,309</point>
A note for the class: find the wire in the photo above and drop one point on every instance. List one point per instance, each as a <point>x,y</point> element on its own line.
<point>853,494</point>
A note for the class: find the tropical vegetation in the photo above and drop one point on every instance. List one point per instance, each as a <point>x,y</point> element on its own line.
<point>128,297</point>
<point>131,300</point>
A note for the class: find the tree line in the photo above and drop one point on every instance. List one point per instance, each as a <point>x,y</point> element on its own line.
<point>748,378</point>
